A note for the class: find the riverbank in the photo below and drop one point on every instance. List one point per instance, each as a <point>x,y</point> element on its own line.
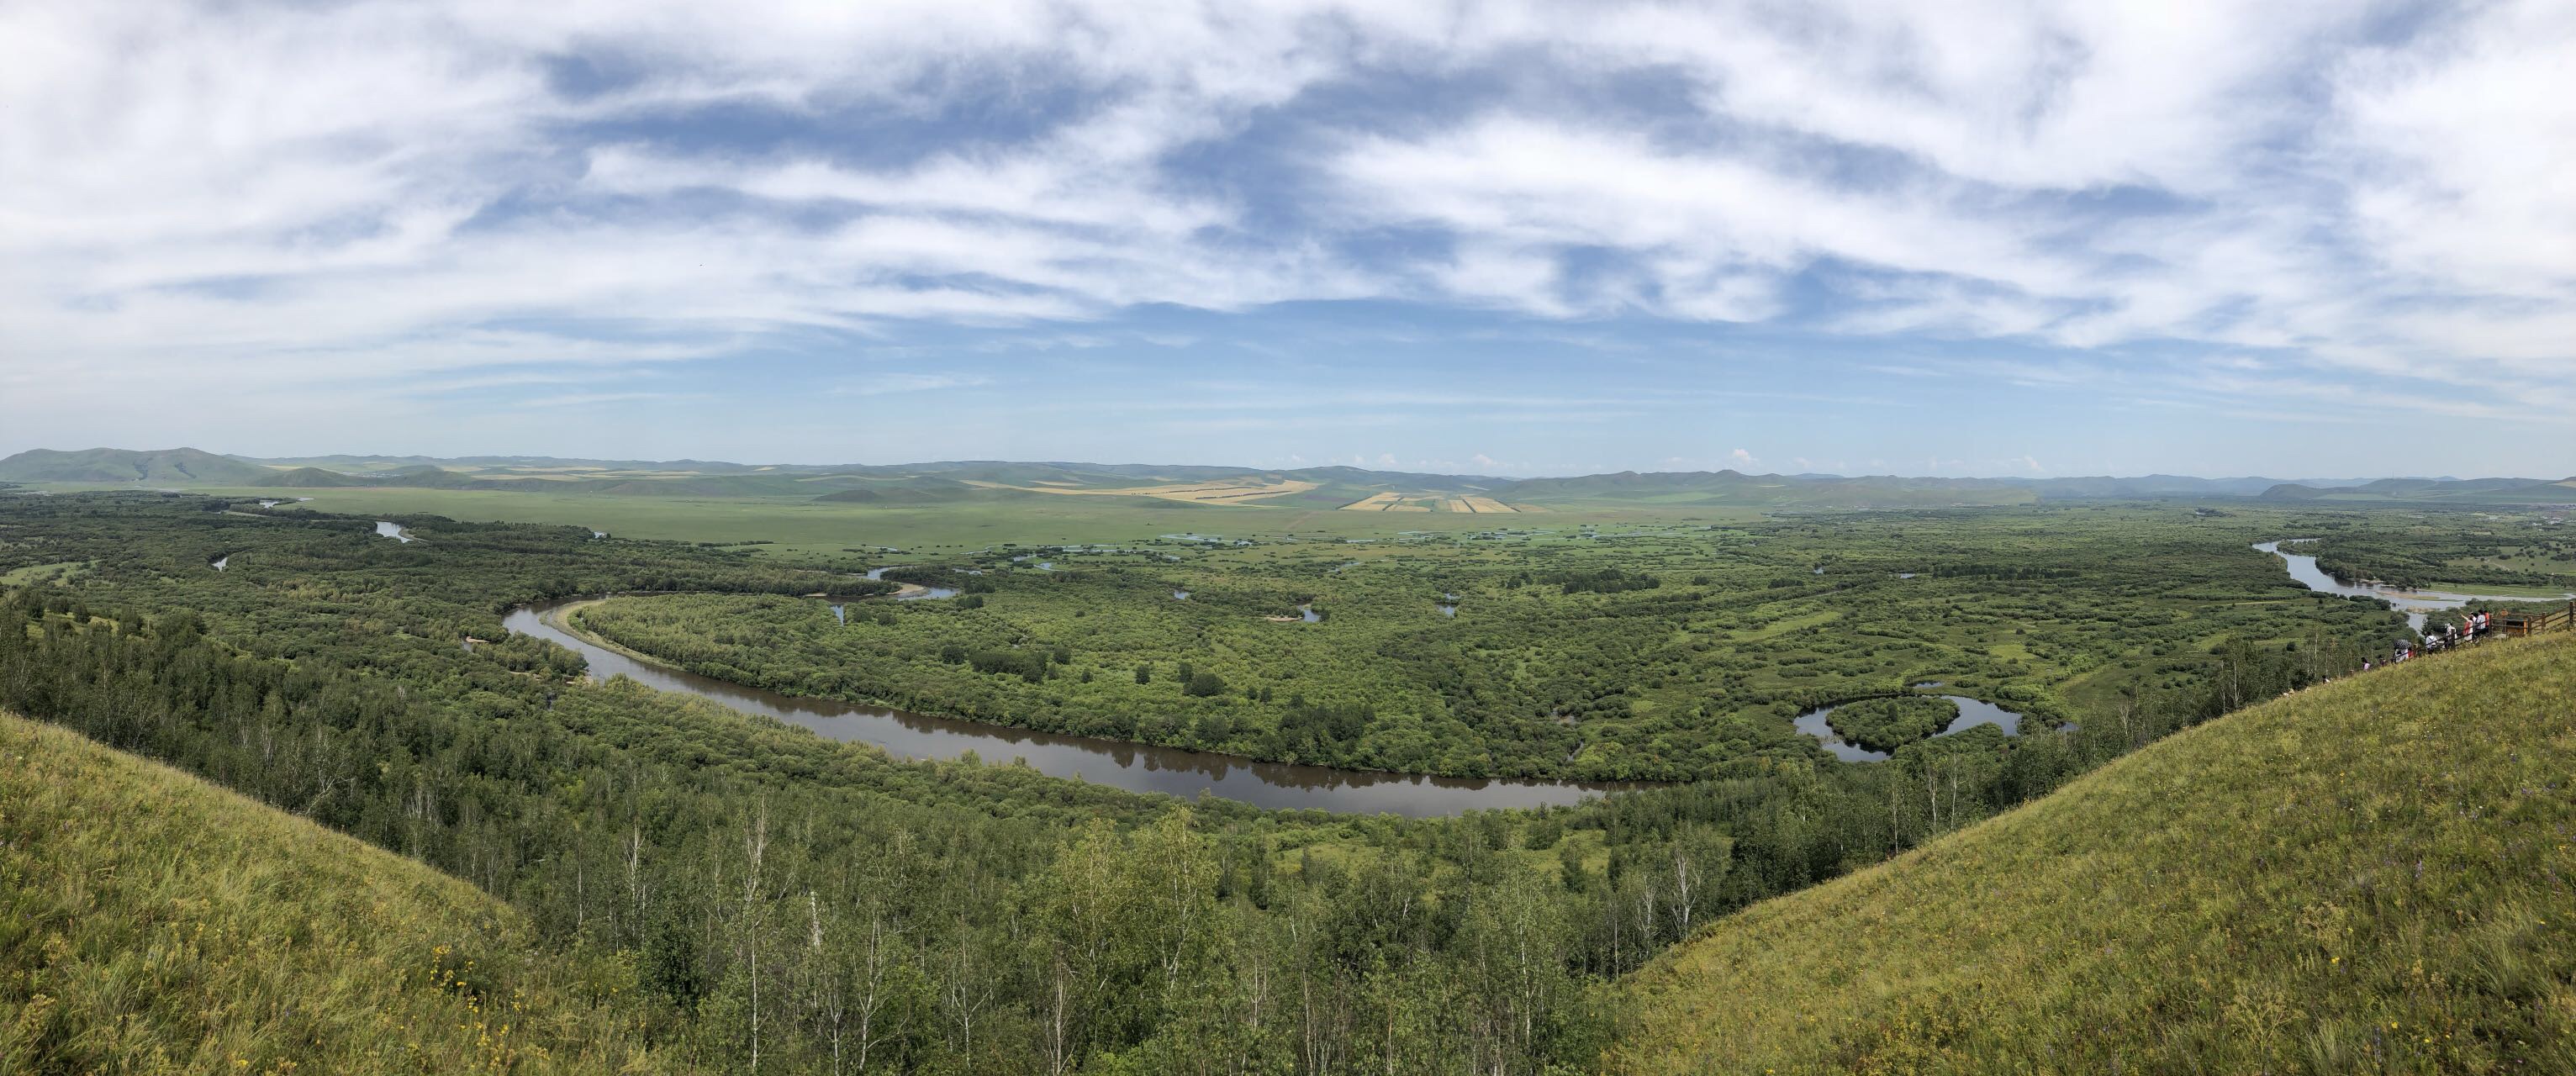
<point>1135,767</point>
<point>2416,605</point>
<point>559,617</point>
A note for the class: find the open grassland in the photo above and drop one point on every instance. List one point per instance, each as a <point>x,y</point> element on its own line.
<point>150,922</point>
<point>2370,876</point>
<point>1226,492</point>
<point>60,572</point>
<point>800,525</point>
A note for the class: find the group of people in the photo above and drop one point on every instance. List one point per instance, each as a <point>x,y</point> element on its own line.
<point>2470,628</point>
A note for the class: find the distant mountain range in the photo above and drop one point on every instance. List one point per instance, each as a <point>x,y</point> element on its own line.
<point>1181,486</point>
<point>166,467</point>
<point>2466,491</point>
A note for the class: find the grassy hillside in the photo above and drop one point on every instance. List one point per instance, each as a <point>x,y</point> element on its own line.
<point>2371,876</point>
<point>150,922</point>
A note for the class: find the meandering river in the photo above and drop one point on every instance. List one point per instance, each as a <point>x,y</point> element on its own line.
<point>1173,771</point>
<point>2416,604</point>
<point>1117,763</point>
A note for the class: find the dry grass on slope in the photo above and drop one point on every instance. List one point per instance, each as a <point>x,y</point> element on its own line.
<point>151,922</point>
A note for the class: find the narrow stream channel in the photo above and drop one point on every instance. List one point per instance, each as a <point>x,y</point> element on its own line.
<point>1119,764</point>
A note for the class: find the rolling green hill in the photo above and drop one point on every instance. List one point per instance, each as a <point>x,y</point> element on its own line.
<point>2410,490</point>
<point>160,467</point>
<point>1732,488</point>
<point>312,478</point>
<point>2371,876</point>
<point>151,922</point>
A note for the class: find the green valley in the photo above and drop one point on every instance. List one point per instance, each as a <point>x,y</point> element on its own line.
<point>663,881</point>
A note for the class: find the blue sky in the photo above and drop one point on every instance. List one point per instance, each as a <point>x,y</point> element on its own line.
<point>1520,238</point>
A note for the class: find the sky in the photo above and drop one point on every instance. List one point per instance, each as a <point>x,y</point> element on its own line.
<point>2020,237</point>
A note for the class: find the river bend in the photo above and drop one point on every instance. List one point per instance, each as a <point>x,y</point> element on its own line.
<point>1117,763</point>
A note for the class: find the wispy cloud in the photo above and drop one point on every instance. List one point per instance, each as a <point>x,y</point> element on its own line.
<point>377,206</point>
<point>895,382</point>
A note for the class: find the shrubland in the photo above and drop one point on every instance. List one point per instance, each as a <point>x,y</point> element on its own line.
<point>1661,653</point>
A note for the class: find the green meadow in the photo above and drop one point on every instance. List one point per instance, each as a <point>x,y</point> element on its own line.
<point>804,525</point>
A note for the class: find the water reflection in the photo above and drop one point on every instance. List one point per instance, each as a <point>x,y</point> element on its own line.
<point>2416,604</point>
<point>913,591</point>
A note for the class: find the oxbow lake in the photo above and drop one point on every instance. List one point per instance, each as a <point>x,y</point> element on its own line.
<point>1972,713</point>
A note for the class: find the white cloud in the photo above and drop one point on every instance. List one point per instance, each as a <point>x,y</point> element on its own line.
<point>350,200</point>
<point>1743,458</point>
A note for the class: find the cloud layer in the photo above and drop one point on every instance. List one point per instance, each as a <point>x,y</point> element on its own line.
<point>251,195</point>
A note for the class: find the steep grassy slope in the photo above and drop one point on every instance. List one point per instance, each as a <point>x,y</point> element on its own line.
<point>150,922</point>
<point>2372,876</point>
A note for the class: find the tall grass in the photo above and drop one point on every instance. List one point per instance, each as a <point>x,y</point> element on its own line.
<point>152,923</point>
<point>2370,876</point>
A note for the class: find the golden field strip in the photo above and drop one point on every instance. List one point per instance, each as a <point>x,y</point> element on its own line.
<point>1397,502</point>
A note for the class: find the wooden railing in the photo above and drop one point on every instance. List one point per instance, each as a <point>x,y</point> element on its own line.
<point>2534,623</point>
